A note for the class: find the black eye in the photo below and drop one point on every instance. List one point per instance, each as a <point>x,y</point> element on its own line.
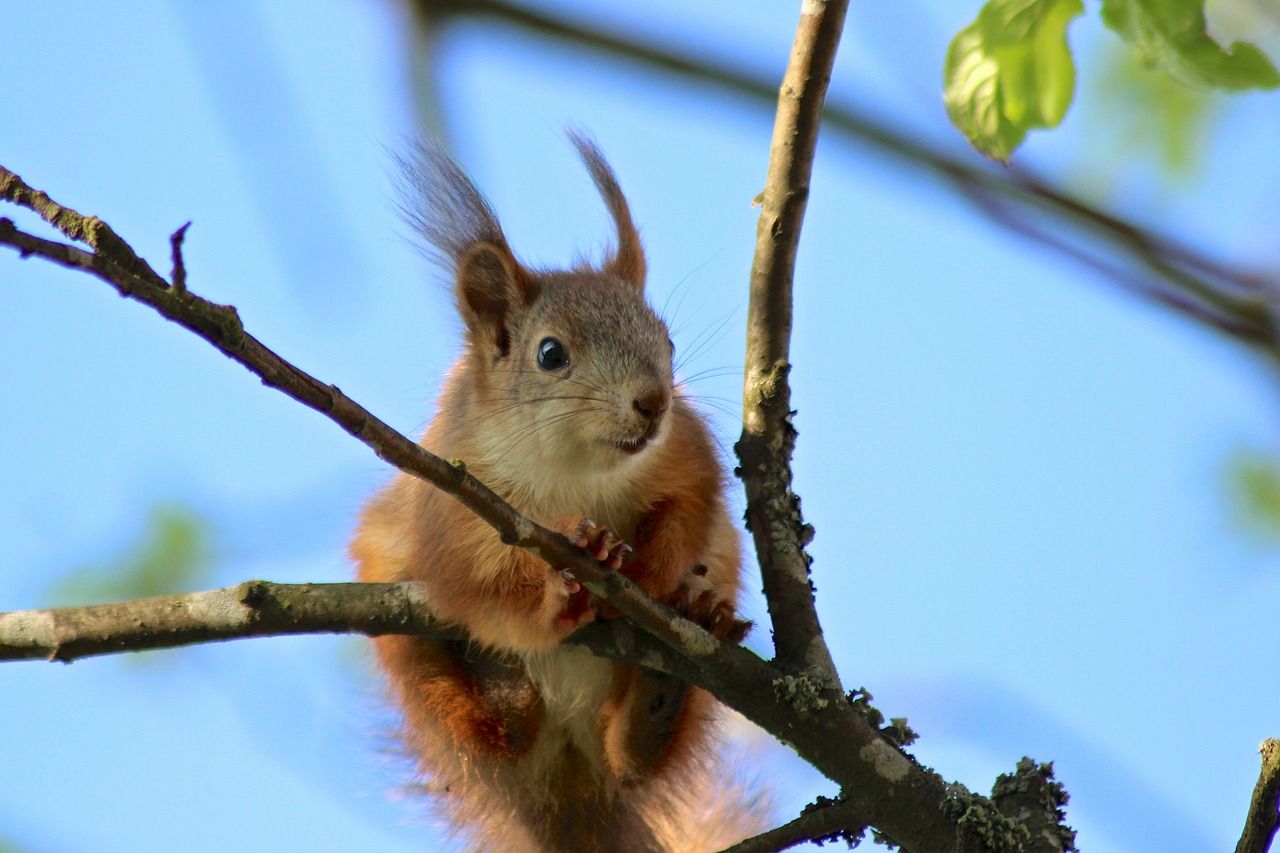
<point>552,355</point>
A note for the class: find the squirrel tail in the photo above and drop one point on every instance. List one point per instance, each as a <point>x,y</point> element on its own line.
<point>696,809</point>
<point>734,808</point>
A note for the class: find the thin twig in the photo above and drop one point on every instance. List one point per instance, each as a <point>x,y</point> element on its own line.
<point>1264,806</point>
<point>1245,318</point>
<point>818,823</point>
<point>179,277</point>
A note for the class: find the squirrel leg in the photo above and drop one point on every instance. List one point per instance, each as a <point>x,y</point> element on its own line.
<point>481,700</point>
<point>603,545</point>
<point>651,717</point>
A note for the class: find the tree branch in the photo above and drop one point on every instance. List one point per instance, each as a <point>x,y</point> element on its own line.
<point>825,820</point>
<point>1175,275</point>
<point>799,702</point>
<point>1034,800</point>
<point>265,609</point>
<point>250,609</point>
<point>904,800</point>
<point>114,262</point>
<point>1221,299</point>
<point>768,438</point>
<point>1264,806</point>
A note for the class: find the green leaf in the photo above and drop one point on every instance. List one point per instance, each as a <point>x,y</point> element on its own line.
<point>1148,118</point>
<point>1011,71</point>
<point>1172,35</point>
<point>1254,480</point>
<point>173,555</point>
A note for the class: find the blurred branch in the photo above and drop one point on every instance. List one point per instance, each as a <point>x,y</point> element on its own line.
<point>1264,806</point>
<point>1222,308</point>
<point>1237,302</point>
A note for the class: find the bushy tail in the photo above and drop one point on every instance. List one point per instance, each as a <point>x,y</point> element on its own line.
<point>735,804</point>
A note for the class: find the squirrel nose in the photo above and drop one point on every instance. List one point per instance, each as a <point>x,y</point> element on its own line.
<point>651,405</point>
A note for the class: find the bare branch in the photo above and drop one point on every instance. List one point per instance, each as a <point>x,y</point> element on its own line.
<point>114,262</point>
<point>900,797</point>
<point>904,798</point>
<point>1034,800</point>
<point>179,276</point>
<point>773,511</point>
<point>265,609</point>
<point>1225,300</point>
<point>804,712</point>
<point>1264,806</point>
<point>827,820</point>
<point>250,609</point>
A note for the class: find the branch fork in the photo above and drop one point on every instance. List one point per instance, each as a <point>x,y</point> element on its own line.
<point>797,696</point>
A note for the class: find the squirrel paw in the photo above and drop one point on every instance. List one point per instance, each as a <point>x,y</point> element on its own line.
<point>600,542</point>
<point>574,602</point>
<point>603,545</point>
<point>698,601</point>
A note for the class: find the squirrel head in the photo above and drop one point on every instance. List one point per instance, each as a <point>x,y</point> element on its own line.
<point>569,370</point>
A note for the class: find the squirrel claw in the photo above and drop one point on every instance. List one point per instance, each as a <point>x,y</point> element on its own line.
<point>577,608</point>
<point>601,543</point>
<point>698,601</point>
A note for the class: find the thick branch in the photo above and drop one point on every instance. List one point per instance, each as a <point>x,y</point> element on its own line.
<point>1264,806</point>
<point>773,511</point>
<point>266,609</point>
<point>824,728</point>
<point>250,609</point>
<point>839,741</point>
<point>1032,799</point>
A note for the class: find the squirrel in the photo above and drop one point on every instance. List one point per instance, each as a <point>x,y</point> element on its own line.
<point>563,401</point>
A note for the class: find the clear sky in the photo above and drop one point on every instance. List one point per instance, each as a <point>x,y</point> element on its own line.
<point>1025,542</point>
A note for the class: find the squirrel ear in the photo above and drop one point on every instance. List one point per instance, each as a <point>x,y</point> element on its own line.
<point>491,286</point>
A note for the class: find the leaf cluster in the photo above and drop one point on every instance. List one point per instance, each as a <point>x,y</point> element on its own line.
<point>1012,71</point>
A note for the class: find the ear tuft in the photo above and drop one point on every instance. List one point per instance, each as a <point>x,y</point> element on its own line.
<point>627,260</point>
<point>492,289</point>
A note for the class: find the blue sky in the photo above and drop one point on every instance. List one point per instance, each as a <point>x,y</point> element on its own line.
<point>1024,535</point>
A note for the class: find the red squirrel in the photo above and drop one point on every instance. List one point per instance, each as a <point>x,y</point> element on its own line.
<point>563,401</point>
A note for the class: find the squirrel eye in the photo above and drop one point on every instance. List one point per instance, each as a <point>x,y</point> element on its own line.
<point>552,355</point>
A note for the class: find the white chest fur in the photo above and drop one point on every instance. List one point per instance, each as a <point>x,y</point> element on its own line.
<point>574,685</point>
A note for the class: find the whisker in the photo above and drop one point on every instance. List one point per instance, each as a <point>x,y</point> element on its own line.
<point>538,425</point>
<point>709,337</point>
<point>712,373</point>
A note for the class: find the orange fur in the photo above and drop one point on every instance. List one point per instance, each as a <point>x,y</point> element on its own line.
<point>531,742</point>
